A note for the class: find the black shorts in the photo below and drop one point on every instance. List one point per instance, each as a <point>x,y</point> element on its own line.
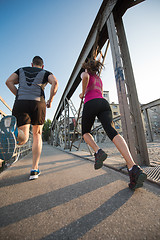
<point>98,107</point>
<point>29,112</point>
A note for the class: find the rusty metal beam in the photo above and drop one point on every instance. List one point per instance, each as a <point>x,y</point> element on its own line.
<point>150,104</point>
<point>104,12</point>
<point>118,7</point>
<point>2,100</point>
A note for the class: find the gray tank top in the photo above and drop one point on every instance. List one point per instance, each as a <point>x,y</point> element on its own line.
<point>32,82</point>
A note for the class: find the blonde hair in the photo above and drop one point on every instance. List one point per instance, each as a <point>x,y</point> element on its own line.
<point>93,66</point>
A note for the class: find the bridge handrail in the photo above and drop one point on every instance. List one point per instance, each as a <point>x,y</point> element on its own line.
<point>150,104</point>
<point>2,100</point>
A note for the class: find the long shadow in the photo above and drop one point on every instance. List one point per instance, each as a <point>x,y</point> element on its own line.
<point>24,177</point>
<point>53,162</point>
<point>14,180</point>
<point>30,207</point>
<point>63,167</point>
<point>45,153</point>
<point>81,226</point>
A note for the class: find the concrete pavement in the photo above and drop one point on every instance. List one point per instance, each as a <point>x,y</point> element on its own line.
<point>70,201</point>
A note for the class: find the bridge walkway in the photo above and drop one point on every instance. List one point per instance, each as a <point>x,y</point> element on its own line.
<point>70,200</point>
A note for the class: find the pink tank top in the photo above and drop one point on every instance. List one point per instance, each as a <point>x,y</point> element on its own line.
<point>94,88</point>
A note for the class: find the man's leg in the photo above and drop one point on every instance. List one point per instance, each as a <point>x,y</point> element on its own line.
<point>23,134</point>
<point>36,151</point>
<point>37,145</point>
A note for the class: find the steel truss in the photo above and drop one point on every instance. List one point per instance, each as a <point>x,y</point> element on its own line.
<point>109,26</point>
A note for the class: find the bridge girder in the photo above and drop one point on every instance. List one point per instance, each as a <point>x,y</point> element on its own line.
<point>109,25</point>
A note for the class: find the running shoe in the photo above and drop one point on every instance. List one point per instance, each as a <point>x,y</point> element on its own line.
<point>34,174</point>
<point>8,123</point>
<point>137,177</point>
<point>7,137</point>
<point>99,158</point>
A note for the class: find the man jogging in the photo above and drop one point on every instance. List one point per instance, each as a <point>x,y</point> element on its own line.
<point>29,108</point>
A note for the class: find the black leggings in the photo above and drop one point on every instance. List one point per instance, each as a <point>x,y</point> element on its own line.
<point>98,107</point>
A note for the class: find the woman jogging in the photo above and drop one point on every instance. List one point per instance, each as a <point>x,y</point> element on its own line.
<point>96,106</point>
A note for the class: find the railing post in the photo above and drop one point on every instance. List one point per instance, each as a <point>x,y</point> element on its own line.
<point>128,100</point>
<point>66,125</point>
<point>148,125</point>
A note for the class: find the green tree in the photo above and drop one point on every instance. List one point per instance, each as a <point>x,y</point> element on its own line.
<point>46,133</point>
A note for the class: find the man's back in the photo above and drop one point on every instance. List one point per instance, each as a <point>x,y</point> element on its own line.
<point>32,81</point>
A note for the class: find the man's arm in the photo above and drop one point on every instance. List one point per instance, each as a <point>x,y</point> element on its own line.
<point>11,82</point>
<point>54,82</point>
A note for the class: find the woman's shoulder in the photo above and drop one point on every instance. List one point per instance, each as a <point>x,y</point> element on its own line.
<point>84,75</point>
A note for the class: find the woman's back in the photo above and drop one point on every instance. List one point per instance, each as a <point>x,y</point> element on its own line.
<point>94,88</point>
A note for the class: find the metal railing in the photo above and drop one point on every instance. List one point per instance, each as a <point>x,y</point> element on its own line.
<point>151,116</point>
<point>151,123</point>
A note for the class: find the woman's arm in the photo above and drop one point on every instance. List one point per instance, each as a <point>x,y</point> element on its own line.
<point>85,81</point>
